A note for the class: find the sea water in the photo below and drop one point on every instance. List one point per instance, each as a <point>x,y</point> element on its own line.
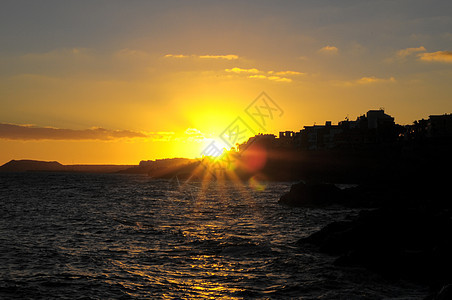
<point>104,236</point>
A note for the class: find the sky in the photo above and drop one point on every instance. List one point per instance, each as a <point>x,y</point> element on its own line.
<point>116,82</point>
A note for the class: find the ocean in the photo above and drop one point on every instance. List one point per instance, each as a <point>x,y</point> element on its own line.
<point>112,236</point>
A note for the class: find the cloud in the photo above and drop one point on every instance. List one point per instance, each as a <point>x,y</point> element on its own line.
<point>36,133</point>
<point>373,79</point>
<point>194,135</point>
<point>29,132</point>
<point>226,57</point>
<point>279,79</point>
<point>329,50</point>
<point>176,56</point>
<point>161,136</point>
<point>192,131</point>
<point>278,76</point>
<point>240,70</point>
<point>366,80</point>
<point>258,76</point>
<point>272,78</point>
<point>285,73</point>
<point>408,51</point>
<point>439,56</point>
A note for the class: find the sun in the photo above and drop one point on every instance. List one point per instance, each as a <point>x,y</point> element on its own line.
<point>213,147</point>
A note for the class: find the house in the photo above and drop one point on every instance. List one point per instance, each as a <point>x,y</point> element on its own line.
<point>378,119</point>
<point>440,125</point>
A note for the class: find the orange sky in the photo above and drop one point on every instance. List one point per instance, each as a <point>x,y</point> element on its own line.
<point>115,82</point>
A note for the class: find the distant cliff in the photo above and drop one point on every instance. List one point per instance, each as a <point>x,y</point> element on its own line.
<point>31,165</point>
<point>26,165</point>
<point>157,168</point>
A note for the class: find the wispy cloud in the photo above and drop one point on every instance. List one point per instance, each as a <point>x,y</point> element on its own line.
<point>284,73</point>
<point>438,56</point>
<point>225,57</point>
<point>258,76</point>
<point>373,79</point>
<point>272,78</point>
<point>241,70</point>
<point>176,56</point>
<point>366,80</point>
<point>160,136</point>
<point>193,134</point>
<point>29,132</point>
<point>279,79</point>
<point>36,133</point>
<point>402,53</point>
<point>329,50</point>
<point>254,73</point>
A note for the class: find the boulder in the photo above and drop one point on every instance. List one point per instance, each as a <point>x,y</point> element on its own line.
<point>304,194</point>
<point>407,243</point>
<point>311,195</point>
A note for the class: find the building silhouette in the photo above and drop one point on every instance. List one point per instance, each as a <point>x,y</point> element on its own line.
<point>373,127</point>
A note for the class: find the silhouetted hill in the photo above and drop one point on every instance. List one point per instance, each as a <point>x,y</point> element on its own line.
<point>155,168</point>
<point>31,165</point>
<point>26,165</point>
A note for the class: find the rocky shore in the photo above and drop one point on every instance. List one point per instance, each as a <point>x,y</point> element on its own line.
<point>404,230</point>
<point>306,194</point>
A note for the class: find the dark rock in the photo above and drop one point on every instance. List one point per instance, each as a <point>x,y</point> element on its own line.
<point>327,238</point>
<point>325,194</point>
<point>309,195</point>
<point>408,243</point>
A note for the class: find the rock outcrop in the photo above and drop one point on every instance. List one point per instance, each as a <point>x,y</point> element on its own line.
<point>325,194</point>
<point>413,243</point>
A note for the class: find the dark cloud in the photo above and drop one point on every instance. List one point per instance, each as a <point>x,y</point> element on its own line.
<point>26,132</point>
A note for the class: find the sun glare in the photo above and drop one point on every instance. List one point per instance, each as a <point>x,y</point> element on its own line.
<point>213,147</point>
